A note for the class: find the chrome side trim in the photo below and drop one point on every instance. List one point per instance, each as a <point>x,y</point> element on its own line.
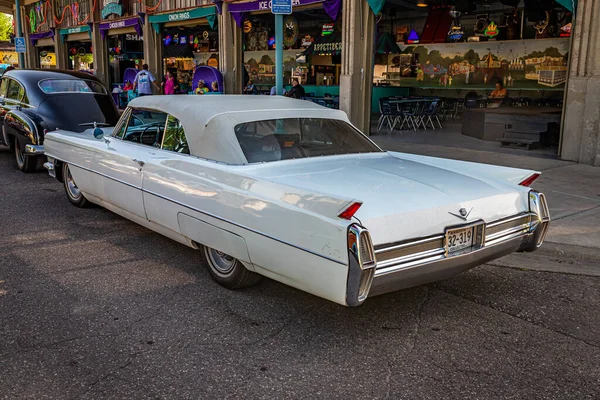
<point>411,243</point>
<point>211,215</point>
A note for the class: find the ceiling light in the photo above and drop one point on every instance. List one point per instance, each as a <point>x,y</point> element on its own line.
<point>421,4</point>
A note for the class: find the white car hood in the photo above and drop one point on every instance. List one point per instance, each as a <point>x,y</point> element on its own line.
<point>402,199</point>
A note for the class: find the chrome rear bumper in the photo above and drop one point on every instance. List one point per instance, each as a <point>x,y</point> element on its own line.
<point>439,268</point>
<point>416,262</point>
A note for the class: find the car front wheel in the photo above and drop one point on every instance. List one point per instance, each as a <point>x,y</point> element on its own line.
<point>73,193</point>
<point>24,162</point>
<point>228,271</point>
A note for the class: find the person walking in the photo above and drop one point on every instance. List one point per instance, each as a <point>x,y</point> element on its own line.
<point>143,82</point>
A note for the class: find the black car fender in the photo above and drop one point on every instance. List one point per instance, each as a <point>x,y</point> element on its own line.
<point>28,127</point>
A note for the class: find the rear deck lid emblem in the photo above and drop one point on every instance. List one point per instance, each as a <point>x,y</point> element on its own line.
<point>462,213</point>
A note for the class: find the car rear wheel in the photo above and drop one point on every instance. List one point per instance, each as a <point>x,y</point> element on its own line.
<point>73,193</point>
<point>24,162</point>
<point>228,271</point>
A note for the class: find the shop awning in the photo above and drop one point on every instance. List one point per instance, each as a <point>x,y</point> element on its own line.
<point>328,44</point>
<point>239,10</point>
<point>75,30</point>
<point>376,5</point>
<point>135,23</point>
<point>34,37</point>
<point>210,13</point>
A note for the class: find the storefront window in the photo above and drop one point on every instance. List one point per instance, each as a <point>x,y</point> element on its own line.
<point>124,51</point>
<point>312,49</point>
<point>80,56</point>
<point>185,48</point>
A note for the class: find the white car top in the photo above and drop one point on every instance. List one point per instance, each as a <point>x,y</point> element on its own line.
<point>209,120</point>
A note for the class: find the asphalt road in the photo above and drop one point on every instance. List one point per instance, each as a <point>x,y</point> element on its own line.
<point>94,306</point>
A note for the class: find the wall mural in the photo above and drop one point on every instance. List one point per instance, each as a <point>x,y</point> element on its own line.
<point>535,64</point>
<point>260,65</point>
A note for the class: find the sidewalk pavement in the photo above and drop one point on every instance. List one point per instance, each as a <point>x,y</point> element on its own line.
<point>572,191</point>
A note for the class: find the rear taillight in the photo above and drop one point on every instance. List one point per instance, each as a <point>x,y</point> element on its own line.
<point>362,264</point>
<point>529,180</point>
<point>350,210</point>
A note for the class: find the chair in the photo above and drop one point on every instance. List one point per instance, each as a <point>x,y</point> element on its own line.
<point>208,75</point>
<point>385,111</point>
<point>429,113</point>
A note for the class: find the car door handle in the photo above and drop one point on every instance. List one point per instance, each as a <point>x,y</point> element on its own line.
<point>139,162</point>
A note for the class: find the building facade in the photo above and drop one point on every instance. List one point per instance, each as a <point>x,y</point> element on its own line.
<point>112,37</point>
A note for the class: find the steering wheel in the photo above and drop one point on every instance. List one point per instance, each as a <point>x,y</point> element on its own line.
<point>153,125</point>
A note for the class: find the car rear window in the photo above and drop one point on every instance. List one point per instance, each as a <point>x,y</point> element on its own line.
<point>289,138</point>
<point>51,86</point>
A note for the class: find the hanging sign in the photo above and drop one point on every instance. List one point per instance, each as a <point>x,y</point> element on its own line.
<point>306,41</point>
<point>111,7</point>
<point>327,29</point>
<point>456,34</point>
<point>565,31</point>
<point>491,30</point>
<point>412,38</point>
<point>281,6</point>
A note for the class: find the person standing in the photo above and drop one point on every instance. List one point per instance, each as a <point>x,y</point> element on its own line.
<point>170,84</point>
<point>143,82</point>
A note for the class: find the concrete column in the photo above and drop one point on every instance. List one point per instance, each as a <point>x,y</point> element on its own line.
<point>31,58</point>
<point>358,26</point>
<point>61,51</point>
<point>153,52</point>
<point>100,56</point>
<point>581,125</point>
<point>230,52</point>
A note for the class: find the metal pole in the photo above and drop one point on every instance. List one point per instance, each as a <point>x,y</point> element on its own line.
<point>19,30</point>
<point>279,54</point>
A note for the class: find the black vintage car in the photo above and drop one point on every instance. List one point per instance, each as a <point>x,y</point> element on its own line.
<point>33,102</point>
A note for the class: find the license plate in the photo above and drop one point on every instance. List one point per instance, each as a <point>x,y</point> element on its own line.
<point>459,239</point>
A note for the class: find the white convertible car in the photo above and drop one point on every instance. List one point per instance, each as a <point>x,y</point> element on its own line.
<point>283,188</point>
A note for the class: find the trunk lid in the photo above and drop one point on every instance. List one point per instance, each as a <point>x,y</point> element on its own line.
<point>402,199</point>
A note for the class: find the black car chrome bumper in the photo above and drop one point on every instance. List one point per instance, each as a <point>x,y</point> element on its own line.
<point>34,150</point>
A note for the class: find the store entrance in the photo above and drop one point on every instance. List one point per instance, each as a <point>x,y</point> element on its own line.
<point>188,47</point>
<point>79,56</point>
<point>482,76</point>
<point>124,51</point>
<point>46,57</point>
<point>312,54</point>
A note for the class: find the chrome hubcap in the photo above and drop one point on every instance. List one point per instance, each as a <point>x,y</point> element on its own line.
<point>220,261</point>
<point>72,188</point>
<point>20,156</point>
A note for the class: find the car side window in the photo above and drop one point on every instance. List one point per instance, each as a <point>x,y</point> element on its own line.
<point>120,130</point>
<point>22,96</point>
<point>14,90</point>
<point>145,127</point>
<point>174,138</point>
<point>4,87</point>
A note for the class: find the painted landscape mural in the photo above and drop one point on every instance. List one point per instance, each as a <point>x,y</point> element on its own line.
<point>260,65</point>
<point>526,64</point>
